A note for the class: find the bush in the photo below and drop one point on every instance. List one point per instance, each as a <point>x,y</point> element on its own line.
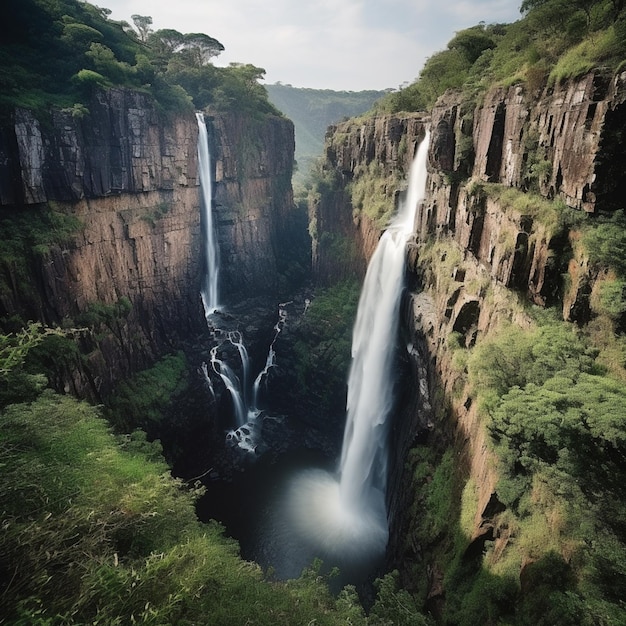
<point>605,243</point>
<point>143,400</point>
<point>93,533</point>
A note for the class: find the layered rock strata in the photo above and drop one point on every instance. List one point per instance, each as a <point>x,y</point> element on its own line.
<point>478,254</point>
<point>129,174</point>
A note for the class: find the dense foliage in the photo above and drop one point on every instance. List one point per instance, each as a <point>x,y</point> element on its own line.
<point>559,428</point>
<point>95,530</point>
<point>554,40</point>
<point>57,52</point>
<point>322,350</point>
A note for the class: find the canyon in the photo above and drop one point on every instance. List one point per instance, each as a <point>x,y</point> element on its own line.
<point>128,174</point>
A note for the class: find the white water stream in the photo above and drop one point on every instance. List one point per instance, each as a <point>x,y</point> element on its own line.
<point>347,517</point>
<point>209,287</point>
<point>245,398</point>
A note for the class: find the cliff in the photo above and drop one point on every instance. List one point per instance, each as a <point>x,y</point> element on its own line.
<point>510,177</point>
<point>253,200</point>
<point>347,226</point>
<point>122,181</point>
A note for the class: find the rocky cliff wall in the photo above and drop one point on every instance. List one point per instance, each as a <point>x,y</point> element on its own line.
<point>129,175</point>
<point>253,201</point>
<point>493,232</point>
<point>347,235</point>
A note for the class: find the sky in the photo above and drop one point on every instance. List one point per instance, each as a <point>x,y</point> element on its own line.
<point>345,45</point>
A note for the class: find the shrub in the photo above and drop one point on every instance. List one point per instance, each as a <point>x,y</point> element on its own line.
<point>142,400</point>
<point>605,243</point>
<point>93,533</point>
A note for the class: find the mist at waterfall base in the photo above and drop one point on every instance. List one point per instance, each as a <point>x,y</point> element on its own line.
<point>342,517</point>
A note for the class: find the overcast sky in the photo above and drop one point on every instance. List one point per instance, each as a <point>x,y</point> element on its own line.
<point>325,44</point>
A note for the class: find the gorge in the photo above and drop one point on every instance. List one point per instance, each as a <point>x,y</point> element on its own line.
<point>156,264</point>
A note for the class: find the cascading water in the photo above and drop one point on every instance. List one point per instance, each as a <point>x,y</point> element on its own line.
<point>231,383</point>
<point>271,357</point>
<point>209,288</point>
<point>246,433</point>
<point>236,339</point>
<point>346,519</point>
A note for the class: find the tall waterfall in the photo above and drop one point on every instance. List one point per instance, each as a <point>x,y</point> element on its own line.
<point>346,519</point>
<point>371,379</point>
<point>209,285</point>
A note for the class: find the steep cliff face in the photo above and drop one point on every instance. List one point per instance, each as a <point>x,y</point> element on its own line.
<point>506,179</point>
<point>253,201</point>
<point>560,145</point>
<point>348,234</point>
<point>129,175</point>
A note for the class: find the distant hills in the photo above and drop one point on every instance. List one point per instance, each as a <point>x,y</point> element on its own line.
<point>313,110</point>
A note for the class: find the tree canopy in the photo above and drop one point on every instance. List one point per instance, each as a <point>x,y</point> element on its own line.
<point>554,40</point>
<point>81,49</point>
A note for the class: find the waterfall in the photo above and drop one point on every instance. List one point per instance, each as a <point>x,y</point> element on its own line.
<point>245,398</point>
<point>231,383</point>
<point>209,285</point>
<point>234,336</point>
<point>371,380</point>
<point>270,361</point>
<point>346,518</point>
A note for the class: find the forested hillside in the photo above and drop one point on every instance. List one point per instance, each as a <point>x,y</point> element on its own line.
<point>57,53</point>
<point>553,41</point>
<point>313,111</point>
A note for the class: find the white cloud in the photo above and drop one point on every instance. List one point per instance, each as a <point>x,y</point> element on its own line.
<point>351,45</point>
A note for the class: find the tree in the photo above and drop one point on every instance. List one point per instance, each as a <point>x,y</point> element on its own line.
<point>79,36</point>
<point>105,63</point>
<point>200,48</point>
<point>142,24</point>
<point>472,42</point>
<point>166,41</point>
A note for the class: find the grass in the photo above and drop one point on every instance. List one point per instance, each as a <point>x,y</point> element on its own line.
<point>597,49</point>
<point>549,213</point>
<point>373,191</point>
<point>95,532</point>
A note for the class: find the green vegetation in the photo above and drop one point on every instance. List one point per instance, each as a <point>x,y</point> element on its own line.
<point>553,41</point>
<point>558,425</point>
<point>605,243</point>
<point>323,353</point>
<point>35,230</point>
<point>553,215</point>
<point>57,53</point>
<point>96,532</point>
<point>557,552</point>
<point>141,401</point>
<point>31,232</point>
<point>373,192</point>
<point>312,111</point>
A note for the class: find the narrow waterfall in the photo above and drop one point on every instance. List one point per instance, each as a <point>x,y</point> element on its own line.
<point>234,336</point>
<point>371,380</point>
<point>232,384</point>
<point>209,286</point>
<point>270,361</point>
<point>346,518</point>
